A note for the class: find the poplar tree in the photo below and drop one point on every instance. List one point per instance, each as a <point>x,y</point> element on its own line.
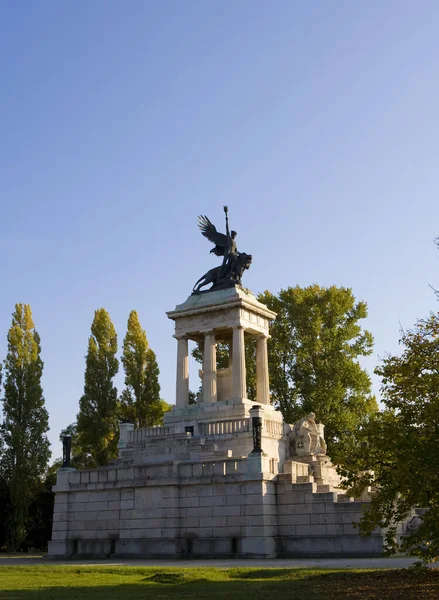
<point>25,422</point>
<point>140,401</point>
<point>97,426</point>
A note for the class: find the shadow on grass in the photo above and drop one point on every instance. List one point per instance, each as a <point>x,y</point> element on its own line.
<point>264,573</point>
<point>164,577</point>
<point>200,589</point>
<point>254,584</point>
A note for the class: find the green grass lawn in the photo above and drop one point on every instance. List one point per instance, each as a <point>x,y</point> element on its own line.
<point>50,582</point>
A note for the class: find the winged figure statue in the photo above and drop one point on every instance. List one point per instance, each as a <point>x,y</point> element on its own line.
<point>234,263</point>
<point>224,243</point>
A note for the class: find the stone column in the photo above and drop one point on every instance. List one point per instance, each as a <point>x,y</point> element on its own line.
<point>182,398</point>
<point>209,368</point>
<point>262,382</point>
<point>238,364</point>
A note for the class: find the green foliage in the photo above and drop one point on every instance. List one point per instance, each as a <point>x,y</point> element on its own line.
<point>39,524</point>
<point>4,493</point>
<point>79,459</point>
<point>397,451</point>
<point>157,411</point>
<point>250,366</point>
<point>313,357</point>
<point>25,450</point>
<point>97,424</point>
<point>192,397</point>
<point>5,506</point>
<point>140,402</point>
<point>222,355</point>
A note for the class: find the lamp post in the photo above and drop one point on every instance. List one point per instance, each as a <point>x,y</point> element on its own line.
<point>256,413</point>
<point>66,450</point>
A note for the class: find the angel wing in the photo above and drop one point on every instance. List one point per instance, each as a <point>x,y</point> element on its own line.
<point>208,229</point>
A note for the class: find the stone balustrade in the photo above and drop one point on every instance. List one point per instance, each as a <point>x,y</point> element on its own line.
<point>273,427</point>
<point>140,435</point>
<point>297,471</point>
<point>227,427</point>
<point>213,428</point>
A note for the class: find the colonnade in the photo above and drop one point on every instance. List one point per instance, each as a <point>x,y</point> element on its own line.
<point>239,384</point>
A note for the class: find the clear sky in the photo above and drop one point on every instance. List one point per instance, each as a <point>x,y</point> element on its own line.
<point>120,122</point>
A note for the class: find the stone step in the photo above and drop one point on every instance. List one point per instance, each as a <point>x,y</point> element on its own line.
<point>344,498</point>
<point>304,487</point>
<point>323,488</point>
<point>284,478</point>
<point>325,497</point>
<point>305,479</point>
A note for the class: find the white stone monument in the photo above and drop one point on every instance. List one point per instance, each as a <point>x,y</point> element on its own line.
<point>223,477</point>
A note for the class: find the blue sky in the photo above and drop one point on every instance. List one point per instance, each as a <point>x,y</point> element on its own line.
<point>317,123</point>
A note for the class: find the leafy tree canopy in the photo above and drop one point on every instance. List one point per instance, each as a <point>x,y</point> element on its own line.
<point>397,451</point>
<point>79,459</point>
<point>314,354</point>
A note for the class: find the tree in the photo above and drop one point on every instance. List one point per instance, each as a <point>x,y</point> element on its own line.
<point>5,506</point>
<point>79,458</point>
<point>4,493</point>
<point>25,421</point>
<point>97,424</point>
<point>397,451</point>
<point>314,356</point>
<point>40,521</point>
<point>140,401</point>
<point>192,398</point>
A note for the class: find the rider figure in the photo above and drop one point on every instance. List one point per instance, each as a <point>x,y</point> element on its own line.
<point>230,251</point>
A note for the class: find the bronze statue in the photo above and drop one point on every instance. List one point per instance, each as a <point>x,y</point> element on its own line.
<point>234,263</point>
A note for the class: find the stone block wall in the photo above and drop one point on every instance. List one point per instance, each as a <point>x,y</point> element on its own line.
<point>227,507</point>
<point>320,523</point>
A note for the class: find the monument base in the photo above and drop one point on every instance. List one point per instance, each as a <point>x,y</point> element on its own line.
<point>173,494</point>
<point>225,477</point>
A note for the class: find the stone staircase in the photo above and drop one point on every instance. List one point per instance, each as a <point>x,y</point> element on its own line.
<point>319,519</point>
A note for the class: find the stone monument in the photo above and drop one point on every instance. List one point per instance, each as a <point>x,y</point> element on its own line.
<point>225,476</point>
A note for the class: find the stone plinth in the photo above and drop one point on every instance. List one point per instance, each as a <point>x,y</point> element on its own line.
<point>217,507</point>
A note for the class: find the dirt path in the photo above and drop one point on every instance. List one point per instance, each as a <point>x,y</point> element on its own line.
<point>323,563</point>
